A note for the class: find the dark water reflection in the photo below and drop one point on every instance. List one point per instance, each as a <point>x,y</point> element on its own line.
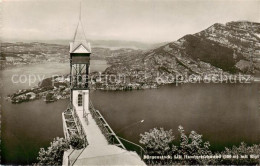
<point>27,127</point>
<point>225,114</point>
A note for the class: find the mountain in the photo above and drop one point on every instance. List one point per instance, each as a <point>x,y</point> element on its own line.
<point>21,53</point>
<point>233,47</point>
<point>111,44</point>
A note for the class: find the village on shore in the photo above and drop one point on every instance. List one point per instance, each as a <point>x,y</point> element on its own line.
<point>53,89</point>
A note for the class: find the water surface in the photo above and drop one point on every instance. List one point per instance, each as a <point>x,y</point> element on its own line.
<point>27,127</point>
<point>224,114</point>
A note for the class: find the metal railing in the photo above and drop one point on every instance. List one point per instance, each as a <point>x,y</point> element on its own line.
<point>105,128</point>
<point>133,147</point>
<point>79,126</point>
<point>73,156</point>
<point>107,131</point>
<point>69,124</point>
<point>69,157</point>
<point>71,160</point>
<point>111,136</point>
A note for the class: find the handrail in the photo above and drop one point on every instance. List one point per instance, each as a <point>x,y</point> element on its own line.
<point>69,156</point>
<point>77,123</point>
<point>112,132</point>
<point>142,151</point>
<point>81,130</point>
<point>81,133</point>
<point>104,127</point>
<point>65,128</point>
<point>74,115</point>
<point>78,156</point>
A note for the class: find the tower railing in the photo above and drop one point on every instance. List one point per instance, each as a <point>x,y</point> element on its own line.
<point>69,123</point>
<point>77,129</point>
<point>79,125</point>
<point>72,124</point>
<point>74,155</point>
<point>111,136</point>
<point>133,147</point>
<point>105,128</point>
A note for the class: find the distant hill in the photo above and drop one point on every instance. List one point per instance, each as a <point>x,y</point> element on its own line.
<point>22,53</point>
<point>112,44</point>
<point>232,47</point>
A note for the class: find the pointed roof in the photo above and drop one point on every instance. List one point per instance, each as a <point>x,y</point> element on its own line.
<point>81,49</point>
<point>80,41</point>
<point>79,33</point>
<point>80,44</point>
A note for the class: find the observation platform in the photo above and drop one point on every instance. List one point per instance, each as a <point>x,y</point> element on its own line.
<point>103,147</point>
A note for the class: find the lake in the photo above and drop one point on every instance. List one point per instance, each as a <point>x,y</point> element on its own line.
<point>225,114</point>
<point>28,126</point>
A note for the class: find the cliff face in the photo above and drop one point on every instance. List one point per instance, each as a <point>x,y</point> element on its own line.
<point>231,48</point>
<point>237,45</point>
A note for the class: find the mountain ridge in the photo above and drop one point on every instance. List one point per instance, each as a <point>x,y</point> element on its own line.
<point>233,47</point>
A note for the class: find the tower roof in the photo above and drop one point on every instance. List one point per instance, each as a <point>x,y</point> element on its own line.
<point>79,33</point>
<point>80,43</point>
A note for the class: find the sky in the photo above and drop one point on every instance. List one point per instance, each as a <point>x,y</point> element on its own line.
<point>149,21</point>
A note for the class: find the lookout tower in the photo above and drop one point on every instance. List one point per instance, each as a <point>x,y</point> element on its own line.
<point>101,145</point>
<point>80,51</point>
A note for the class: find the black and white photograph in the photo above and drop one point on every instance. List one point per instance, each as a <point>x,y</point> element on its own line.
<point>129,82</point>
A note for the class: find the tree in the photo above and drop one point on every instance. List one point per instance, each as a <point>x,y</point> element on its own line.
<point>192,145</point>
<point>157,141</point>
<point>49,96</point>
<point>242,150</point>
<point>160,142</point>
<point>54,153</point>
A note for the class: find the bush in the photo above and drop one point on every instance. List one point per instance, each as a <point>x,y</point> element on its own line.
<point>76,142</point>
<point>157,141</point>
<point>192,145</point>
<point>242,150</point>
<point>54,153</point>
<point>49,96</point>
